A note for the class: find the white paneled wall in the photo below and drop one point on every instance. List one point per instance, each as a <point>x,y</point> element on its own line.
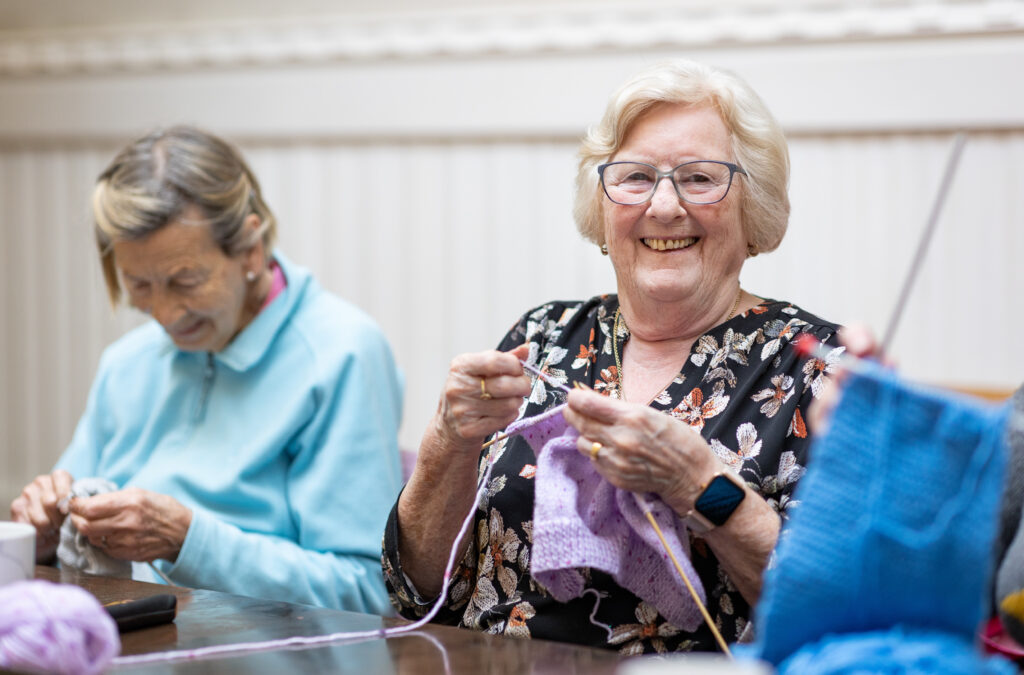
<point>422,166</point>
<point>446,243</point>
<point>859,207</point>
<point>56,319</point>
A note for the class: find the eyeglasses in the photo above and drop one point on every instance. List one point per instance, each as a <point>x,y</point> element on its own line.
<point>700,182</point>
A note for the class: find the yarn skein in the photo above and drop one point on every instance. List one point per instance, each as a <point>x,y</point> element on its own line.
<point>55,628</point>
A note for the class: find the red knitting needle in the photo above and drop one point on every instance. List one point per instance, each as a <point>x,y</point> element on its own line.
<point>808,346</point>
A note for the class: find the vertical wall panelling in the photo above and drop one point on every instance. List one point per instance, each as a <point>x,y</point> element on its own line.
<point>446,243</point>
<point>423,168</point>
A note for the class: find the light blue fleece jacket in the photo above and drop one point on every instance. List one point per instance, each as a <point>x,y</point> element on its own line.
<point>284,445</point>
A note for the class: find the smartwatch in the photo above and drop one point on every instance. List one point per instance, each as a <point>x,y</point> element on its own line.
<point>718,498</point>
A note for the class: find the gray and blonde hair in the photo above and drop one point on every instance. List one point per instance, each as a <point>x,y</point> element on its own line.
<point>155,178</point>
<point>757,142</point>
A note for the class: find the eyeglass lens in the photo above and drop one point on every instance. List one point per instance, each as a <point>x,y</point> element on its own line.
<point>695,182</point>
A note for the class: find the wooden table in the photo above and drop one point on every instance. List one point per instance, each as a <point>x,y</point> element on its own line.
<point>212,618</point>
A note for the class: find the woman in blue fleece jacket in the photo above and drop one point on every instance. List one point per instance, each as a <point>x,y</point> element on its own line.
<point>251,427</point>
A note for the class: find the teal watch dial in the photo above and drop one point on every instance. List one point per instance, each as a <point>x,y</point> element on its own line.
<point>719,499</point>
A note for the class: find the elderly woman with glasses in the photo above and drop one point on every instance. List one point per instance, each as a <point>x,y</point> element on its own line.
<point>688,391</point>
<point>249,431</point>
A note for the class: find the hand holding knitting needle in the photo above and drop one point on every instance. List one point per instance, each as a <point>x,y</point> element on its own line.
<point>642,450</point>
<point>482,395</point>
<point>860,343</point>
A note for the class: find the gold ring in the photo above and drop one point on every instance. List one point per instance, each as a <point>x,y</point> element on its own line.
<point>595,449</point>
<point>484,394</point>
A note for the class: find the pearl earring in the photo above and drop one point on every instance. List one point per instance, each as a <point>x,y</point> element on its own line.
<point>250,276</point>
<point>604,249</point>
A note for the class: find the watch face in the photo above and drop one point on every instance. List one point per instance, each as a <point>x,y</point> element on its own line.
<point>719,499</point>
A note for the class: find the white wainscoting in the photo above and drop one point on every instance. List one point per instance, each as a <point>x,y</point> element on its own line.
<point>446,243</point>
<point>434,189</point>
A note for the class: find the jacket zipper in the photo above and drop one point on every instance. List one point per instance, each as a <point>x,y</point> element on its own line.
<point>204,393</point>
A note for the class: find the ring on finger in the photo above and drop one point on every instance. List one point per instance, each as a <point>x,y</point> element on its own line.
<point>595,450</point>
<point>484,394</point>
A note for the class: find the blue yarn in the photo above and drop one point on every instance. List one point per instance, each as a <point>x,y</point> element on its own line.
<point>893,652</point>
<point>898,514</point>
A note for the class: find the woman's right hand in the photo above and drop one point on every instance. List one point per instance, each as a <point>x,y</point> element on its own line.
<point>482,395</point>
<point>441,489</point>
<point>860,342</point>
<point>40,505</point>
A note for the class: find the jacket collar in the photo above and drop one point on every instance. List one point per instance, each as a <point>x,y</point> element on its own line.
<point>255,340</point>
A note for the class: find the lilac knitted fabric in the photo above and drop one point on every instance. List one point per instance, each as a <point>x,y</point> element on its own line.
<point>581,520</point>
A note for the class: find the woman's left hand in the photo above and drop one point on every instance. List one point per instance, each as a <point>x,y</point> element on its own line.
<point>133,524</point>
<point>642,450</point>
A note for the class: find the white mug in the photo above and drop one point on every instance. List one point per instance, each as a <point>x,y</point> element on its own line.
<point>17,552</point>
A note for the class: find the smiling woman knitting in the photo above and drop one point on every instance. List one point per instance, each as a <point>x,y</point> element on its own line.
<point>694,399</point>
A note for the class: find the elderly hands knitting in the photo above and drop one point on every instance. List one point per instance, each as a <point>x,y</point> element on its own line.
<point>130,524</point>
<point>642,450</point>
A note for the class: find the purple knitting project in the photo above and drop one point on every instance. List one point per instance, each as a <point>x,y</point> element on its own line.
<point>581,520</point>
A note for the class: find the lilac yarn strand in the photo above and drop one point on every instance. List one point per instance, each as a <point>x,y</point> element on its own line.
<point>544,376</point>
<point>55,628</point>
<point>333,638</point>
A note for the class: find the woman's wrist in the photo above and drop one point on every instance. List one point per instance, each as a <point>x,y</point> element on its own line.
<point>743,544</point>
<point>694,477</point>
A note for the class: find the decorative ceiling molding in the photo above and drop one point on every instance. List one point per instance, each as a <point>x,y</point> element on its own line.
<point>496,31</point>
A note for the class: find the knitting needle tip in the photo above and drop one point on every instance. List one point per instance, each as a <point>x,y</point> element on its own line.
<point>808,346</point>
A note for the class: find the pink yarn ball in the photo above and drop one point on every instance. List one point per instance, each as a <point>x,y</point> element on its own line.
<point>54,628</point>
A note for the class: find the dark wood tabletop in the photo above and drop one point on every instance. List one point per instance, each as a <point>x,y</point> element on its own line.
<point>210,618</point>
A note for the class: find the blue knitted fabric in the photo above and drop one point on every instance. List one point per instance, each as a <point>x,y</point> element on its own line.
<point>898,514</point>
<point>893,652</point>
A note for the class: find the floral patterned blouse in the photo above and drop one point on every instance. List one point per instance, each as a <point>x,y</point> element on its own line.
<point>744,388</point>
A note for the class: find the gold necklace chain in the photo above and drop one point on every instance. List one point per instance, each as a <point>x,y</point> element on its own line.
<point>615,339</point>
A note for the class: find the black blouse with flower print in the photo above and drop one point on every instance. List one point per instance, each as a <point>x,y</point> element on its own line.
<point>743,387</point>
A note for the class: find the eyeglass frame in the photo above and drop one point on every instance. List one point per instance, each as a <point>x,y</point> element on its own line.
<point>670,174</point>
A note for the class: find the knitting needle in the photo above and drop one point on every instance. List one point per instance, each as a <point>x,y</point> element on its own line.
<point>947,179</point>
<point>545,377</point>
<point>806,345</point>
<point>693,593</point>
<point>541,375</point>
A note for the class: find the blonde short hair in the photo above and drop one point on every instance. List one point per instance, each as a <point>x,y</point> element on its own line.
<point>155,178</point>
<point>757,141</point>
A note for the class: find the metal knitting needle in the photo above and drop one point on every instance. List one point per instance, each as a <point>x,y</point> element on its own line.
<point>541,375</point>
<point>545,377</point>
<point>947,179</point>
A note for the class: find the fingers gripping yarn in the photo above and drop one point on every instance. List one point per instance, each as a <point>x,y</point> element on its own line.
<point>75,550</point>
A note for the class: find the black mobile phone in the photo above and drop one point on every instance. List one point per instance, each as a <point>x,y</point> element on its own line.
<point>134,614</point>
